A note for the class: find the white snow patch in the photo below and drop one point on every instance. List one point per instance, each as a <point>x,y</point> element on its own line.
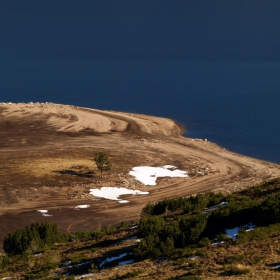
<point>66,264</point>
<point>84,276</point>
<point>223,203</point>
<point>108,260</point>
<point>113,193</point>
<point>215,207</point>
<point>132,238</point>
<point>217,243</point>
<point>148,175</point>
<point>168,166</point>
<point>44,213</point>
<point>125,262</point>
<point>84,263</point>
<point>78,207</point>
<point>234,231</point>
<point>134,227</point>
<point>123,201</point>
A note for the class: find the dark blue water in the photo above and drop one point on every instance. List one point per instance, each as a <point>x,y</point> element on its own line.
<point>213,66</point>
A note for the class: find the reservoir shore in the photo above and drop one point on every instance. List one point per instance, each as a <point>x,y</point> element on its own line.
<point>47,153</point>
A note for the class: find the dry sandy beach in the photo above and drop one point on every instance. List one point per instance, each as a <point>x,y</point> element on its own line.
<point>47,153</point>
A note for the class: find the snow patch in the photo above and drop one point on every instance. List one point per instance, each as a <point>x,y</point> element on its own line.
<point>111,259</point>
<point>215,207</point>
<point>234,231</point>
<point>44,213</point>
<point>217,243</point>
<point>67,264</point>
<point>125,262</point>
<point>113,193</point>
<point>84,263</point>
<point>84,276</point>
<point>148,175</point>
<point>78,207</point>
<point>134,227</point>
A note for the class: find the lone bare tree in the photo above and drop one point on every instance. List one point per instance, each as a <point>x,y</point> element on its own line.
<point>102,162</point>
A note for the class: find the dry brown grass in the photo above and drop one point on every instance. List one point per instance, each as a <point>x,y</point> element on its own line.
<point>48,166</point>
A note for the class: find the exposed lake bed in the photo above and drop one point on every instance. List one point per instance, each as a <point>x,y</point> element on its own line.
<point>47,163</point>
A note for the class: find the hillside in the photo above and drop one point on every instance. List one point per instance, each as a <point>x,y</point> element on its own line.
<point>123,252</point>
<point>48,172</point>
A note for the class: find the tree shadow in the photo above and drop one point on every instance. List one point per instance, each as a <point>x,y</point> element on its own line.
<point>88,174</point>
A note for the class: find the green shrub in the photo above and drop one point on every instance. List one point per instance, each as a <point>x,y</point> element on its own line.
<point>269,211</point>
<point>200,253</point>
<point>150,225</point>
<point>121,226</point>
<point>222,237</point>
<point>148,248</point>
<point>4,274</point>
<point>109,229</point>
<point>4,262</point>
<point>259,233</point>
<point>204,242</point>
<point>31,238</point>
<point>97,233</point>
<point>193,264</point>
<point>192,228</point>
<point>148,210</point>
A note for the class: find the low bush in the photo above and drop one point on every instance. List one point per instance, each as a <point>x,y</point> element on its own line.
<point>204,242</point>
<point>32,238</point>
<point>259,233</point>
<point>200,253</point>
<point>4,262</point>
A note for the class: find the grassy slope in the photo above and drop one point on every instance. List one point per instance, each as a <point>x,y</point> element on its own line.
<point>253,257</point>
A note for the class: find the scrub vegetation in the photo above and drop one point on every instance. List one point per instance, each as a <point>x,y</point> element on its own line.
<point>181,238</point>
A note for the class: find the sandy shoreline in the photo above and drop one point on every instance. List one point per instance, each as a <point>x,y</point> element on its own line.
<point>68,118</point>
<point>47,151</point>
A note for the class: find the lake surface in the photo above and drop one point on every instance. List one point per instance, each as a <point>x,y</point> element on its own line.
<point>213,66</point>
